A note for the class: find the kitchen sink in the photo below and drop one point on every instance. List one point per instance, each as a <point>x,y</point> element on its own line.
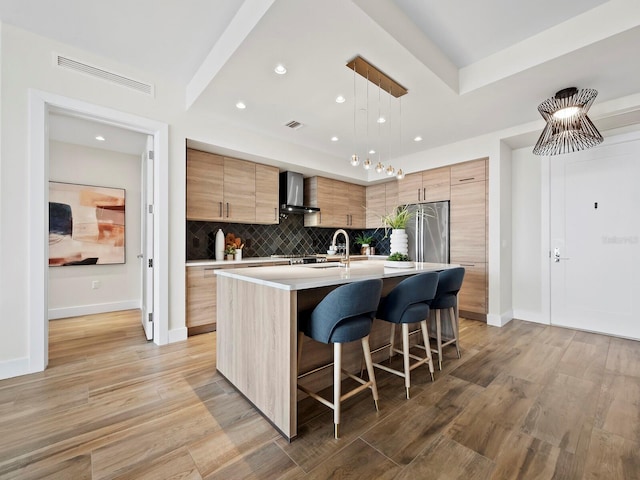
<point>322,265</point>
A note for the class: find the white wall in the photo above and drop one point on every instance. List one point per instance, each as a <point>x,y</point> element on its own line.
<point>527,235</point>
<point>70,288</point>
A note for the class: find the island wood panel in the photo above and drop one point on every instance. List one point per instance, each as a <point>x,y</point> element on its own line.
<point>239,191</point>
<point>256,345</point>
<point>468,222</point>
<point>201,299</point>
<point>204,185</point>
<point>267,181</point>
<point>376,205</point>
<point>472,171</point>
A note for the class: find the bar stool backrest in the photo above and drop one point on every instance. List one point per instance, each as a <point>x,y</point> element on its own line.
<point>449,283</point>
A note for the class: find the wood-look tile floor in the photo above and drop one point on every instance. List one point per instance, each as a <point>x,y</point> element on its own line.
<point>525,401</point>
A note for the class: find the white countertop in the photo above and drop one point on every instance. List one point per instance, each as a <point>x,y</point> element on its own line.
<point>258,260</point>
<point>235,263</point>
<point>302,277</point>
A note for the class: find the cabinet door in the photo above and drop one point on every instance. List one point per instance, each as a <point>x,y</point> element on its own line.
<point>376,205</point>
<point>436,184</point>
<point>356,203</point>
<point>319,192</point>
<point>391,196</point>
<point>267,181</point>
<point>467,172</point>
<point>410,189</point>
<point>473,294</point>
<point>468,222</point>
<point>239,191</point>
<point>201,298</point>
<point>205,173</point>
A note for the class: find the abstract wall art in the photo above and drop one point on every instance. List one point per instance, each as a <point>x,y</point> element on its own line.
<point>86,225</point>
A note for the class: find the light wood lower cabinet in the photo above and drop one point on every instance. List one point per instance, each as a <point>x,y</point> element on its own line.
<point>201,299</point>
<point>472,299</point>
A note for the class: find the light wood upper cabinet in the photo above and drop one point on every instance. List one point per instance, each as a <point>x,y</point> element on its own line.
<point>226,189</point>
<point>356,205</point>
<point>427,186</point>
<point>340,203</point>
<point>410,188</point>
<point>205,173</point>
<point>239,190</point>
<point>436,184</point>
<point>381,199</point>
<point>267,181</point>
<point>467,172</point>
<point>376,205</point>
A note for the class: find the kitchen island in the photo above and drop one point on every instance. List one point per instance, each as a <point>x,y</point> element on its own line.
<point>258,326</point>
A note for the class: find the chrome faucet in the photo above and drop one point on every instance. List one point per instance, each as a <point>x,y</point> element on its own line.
<point>345,260</point>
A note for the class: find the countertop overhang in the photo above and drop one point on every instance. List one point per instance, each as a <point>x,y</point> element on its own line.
<point>303,277</point>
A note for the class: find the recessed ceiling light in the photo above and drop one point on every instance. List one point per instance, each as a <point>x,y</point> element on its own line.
<point>241,105</point>
<point>382,120</point>
<point>280,69</point>
<point>334,139</point>
<point>417,139</point>
<point>340,99</point>
<point>100,138</point>
<point>372,151</point>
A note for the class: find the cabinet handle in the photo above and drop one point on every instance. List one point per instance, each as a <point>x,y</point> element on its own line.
<point>424,193</point>
<point>220,210</point>
<point>466,179</point>
<point>275,214</point>
<point>227,209</point>
<point>467,264</point>
<point>418,194</point>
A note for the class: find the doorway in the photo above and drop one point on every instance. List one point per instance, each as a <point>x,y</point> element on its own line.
<point>41,103</point>
<point>595,246</point>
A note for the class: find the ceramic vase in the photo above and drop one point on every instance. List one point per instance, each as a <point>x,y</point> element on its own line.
<point>399,241</point>
<point>219,248</point>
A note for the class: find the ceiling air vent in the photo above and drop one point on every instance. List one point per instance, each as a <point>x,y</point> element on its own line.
<point>70,64</point>
<point>294,125</point>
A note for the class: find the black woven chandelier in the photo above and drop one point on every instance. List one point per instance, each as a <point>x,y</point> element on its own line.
<point>568,128</point>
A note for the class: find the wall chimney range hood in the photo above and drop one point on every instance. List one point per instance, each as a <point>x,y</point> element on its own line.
<point>292,194</point>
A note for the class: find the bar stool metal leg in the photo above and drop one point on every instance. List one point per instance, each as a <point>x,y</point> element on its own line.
<point>337,387</point>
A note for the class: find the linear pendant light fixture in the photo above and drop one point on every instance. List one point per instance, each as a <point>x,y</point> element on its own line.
<point>383,82</point>
<point>568,128</point>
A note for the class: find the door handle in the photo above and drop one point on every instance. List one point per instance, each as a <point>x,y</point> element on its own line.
<point>557,257</point>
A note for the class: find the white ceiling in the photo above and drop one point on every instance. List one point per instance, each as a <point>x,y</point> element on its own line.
<point>470,67</point>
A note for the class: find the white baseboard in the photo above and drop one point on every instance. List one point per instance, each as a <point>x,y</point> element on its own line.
<point>177,334</point>
<point>499,320</point>
<point>57,313</point>
<point>14,368</point>
<point>535,317</point>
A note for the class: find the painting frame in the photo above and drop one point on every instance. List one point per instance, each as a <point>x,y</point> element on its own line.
<point>86,224</point>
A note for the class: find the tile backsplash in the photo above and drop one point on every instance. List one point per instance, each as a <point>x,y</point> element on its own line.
<point>290,236</point>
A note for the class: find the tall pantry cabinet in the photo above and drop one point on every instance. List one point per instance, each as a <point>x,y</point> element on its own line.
<point>468,233</point>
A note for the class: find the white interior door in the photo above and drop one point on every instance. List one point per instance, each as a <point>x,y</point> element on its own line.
<point>147,239</point>
<point>595,229</point>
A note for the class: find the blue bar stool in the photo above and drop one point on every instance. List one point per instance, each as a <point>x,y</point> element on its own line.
<point>408,303</point>
<point>449,283</point>
<point>344,315</point>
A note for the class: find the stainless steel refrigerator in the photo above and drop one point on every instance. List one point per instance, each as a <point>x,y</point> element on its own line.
<point>428,232</point>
